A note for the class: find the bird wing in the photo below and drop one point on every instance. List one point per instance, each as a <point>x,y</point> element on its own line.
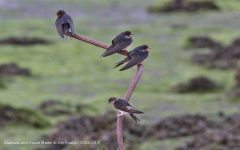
<point>70,22</point>
<point>111,50</point>
<point>137,57</point>
<point>123,61</point>
<point>126,107</point>
<point>132,106</point>
<point>134,61</point>
<point>123,42</point>
<point>58,25</point>
<point>117,45</point>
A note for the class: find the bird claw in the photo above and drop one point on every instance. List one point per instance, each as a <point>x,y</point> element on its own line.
<point>69,34</point>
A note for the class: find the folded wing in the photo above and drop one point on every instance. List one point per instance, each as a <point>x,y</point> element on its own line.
<point>70,22</point>
<point>128,58</point>
<point>134,61</point>
<point>58,25</point>
<point>117,46</point>
<point>126,107</point>
<point>137,57</point>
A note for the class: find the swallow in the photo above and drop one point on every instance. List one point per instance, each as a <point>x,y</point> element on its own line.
<point>121,41</point>
<point>124,107</point>
<point>134,57</point>
<point>63,23</point>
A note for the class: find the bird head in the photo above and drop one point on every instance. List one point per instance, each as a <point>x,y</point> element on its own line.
<point>60,13</point>
<point>112,100</point>
<point>145,47</point>
<point>128,33</point>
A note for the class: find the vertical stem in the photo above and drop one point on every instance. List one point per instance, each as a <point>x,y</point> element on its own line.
<point>119,133</point>
<point>134,82</point>
<point>127,97</point>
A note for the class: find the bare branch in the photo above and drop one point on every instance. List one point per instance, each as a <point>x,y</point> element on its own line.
<point>127,97</point>
<point>94,42</point>
<point>119,133</point>
<point>130,89</point>
<point>134,82</point>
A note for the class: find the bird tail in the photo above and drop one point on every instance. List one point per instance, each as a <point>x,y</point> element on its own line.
<point>108,52</point>
<point>123,61</point>
<point>136,111</point>
<point>134,117</point>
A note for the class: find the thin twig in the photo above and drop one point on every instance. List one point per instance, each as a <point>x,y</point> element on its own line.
<point>134,82</point>
<point>130,89</point>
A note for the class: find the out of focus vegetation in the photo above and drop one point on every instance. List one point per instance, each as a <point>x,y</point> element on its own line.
<point>67,80</point>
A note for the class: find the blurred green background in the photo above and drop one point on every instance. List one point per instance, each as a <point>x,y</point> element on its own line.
<point>73,72</point>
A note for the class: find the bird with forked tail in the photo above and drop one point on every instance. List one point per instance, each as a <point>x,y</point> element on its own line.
<point>134,57</point>
<point>124,107</point>
<point>120,42</point>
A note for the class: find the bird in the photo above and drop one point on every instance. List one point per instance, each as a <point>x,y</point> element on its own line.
<point>63,23</point>
<point>124,107</point>
<point>134,57</point>
<point>121,41</point>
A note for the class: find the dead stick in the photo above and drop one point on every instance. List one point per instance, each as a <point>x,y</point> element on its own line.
<point>127,97</point>
<point>134,82</point>
<point>130,89</point>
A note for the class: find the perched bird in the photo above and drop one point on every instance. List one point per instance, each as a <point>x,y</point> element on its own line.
<point>63,23</point>
<point>134,57</point>
<point>121,41</point>
<point>124,107</point>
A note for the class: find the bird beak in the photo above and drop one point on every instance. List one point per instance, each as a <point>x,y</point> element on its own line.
<point>148,49</point>
<point>131,35</point>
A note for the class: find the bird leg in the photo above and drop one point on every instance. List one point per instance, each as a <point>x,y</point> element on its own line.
<point>69,35</point>
<point>119,114</point>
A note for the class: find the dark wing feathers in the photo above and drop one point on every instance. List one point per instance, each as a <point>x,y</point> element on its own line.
<point>120,39</point>
<point>128,58</point>
<point>134,117</point>
<point>137,57</point>
<point>118,43</point>
<point>106,52</point>
<point>122,43</point>
<point>132,106</point>
<point>114,48</point>
<point>58,25</point>
<point>134,61</point>
<point>70,22</point>
<point>125,106</point>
